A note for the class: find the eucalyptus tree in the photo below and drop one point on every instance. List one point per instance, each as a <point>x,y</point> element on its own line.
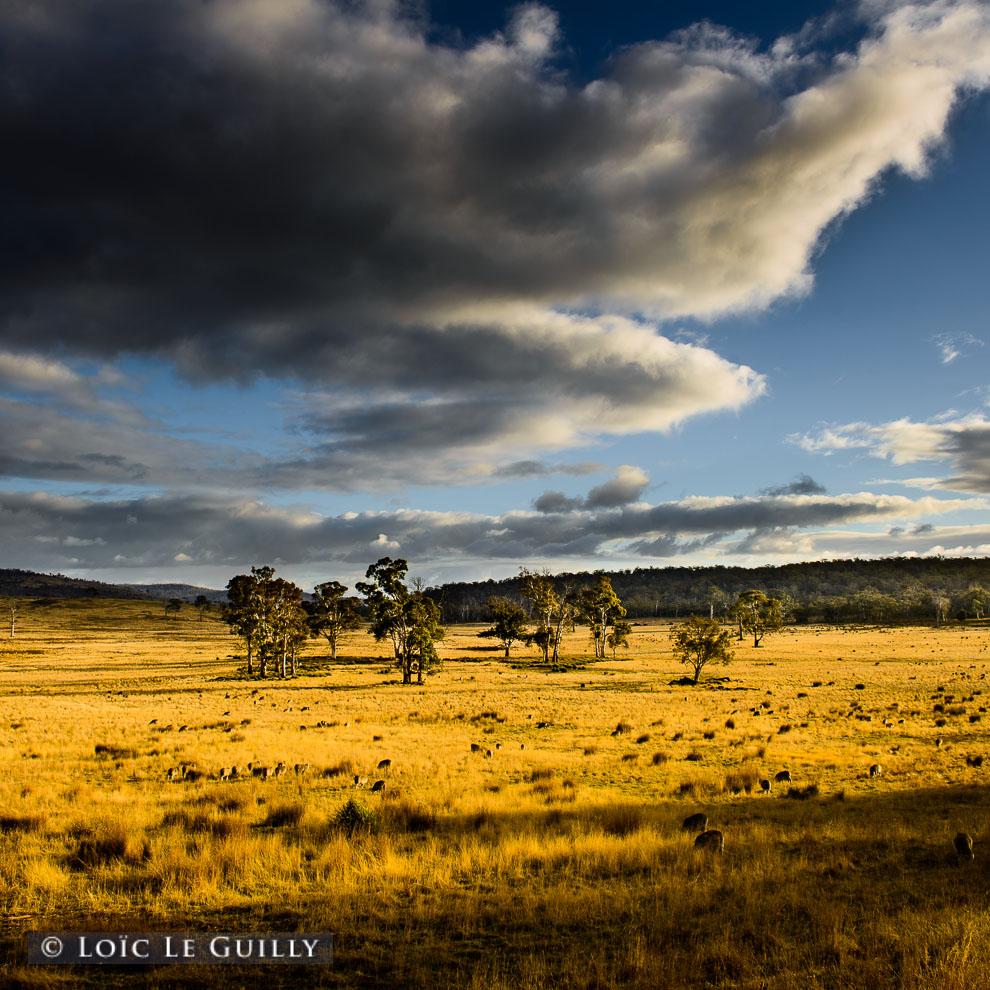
<point>553,612</point>
<point>410,621</point>
<point>267,611</point>
<point>701,643</point>
<point>600,608</point>
<point>331,614</point>
<point>758,614</point>
<point>508,622</point>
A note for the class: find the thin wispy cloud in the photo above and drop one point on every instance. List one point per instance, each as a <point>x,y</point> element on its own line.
<point>952,345</point>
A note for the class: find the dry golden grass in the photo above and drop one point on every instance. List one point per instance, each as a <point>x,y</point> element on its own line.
<point>557,862</point>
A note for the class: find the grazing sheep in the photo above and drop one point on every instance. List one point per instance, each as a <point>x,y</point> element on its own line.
<point>695,823</point>
<point>522,745</point>
<point>963,845</point>
<point>765,786</point>
<point>475,748</point>
<point>224,774</point>
<point>488,754</point>
<point>174,773</point>
<point>192,775</point>
<point>385,765</point>
<point>498,745</point>
<point>876,770</point>
<point>360,781</point>
<point>300,769</point>
<point>235,772</point>
<point>782,777</point>
<point>974,761</point>
<point>264,773</point>
<point>712,841</point>
<point>279,770</point>
<point>378,787</point>
<point>938,743</point>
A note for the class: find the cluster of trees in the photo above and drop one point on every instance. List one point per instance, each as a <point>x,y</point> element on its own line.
<point>275,619</point>
<point>267,611</point>
<point>555,612</point>
<point>893,589</point>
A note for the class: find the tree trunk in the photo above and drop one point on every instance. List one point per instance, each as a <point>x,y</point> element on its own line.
<point>250,646</point>
<point>507,645</point>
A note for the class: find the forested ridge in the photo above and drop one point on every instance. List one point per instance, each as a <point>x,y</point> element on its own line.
<point>886,589</point>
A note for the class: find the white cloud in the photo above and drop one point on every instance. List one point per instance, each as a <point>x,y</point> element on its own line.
<point>963,442</point>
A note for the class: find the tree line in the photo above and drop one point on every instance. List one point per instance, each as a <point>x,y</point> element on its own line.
<point>892,589</point>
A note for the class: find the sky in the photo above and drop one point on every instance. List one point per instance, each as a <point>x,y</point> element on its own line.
<point>484,286</point>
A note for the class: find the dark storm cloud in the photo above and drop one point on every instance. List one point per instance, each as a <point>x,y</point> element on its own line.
<point>803,484</point>
<point>254,185</point>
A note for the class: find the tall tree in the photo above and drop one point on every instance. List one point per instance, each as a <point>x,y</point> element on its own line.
<point>508,622</point>
<point>758,615</point>
<point>410,621</point>
<point>203,604</point>
<point>600,608</point>
<point>331,614</point>
<point>619,635</point>
<point>700,643</point>
<point>241,612</point>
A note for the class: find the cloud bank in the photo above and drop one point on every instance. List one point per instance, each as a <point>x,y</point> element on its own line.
<point>224,535</point>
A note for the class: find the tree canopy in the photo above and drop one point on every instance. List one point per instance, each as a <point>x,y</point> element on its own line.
<point>701,642</point>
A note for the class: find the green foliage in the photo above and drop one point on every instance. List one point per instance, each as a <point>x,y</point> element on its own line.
<point>267,611</point>
<point>701,643</point>
<point>618,635</point>
<point>600,608</point>
<point>757,614</point>
<point>355,817</point>
<point>330,614</point>
<point>508,622</point>
<point>410,620</point>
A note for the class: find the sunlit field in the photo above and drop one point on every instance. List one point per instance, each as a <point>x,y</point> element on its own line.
<point>551,856</point>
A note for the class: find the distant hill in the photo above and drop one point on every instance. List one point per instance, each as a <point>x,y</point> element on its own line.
<point>187,592</point>
<point>30,584</point>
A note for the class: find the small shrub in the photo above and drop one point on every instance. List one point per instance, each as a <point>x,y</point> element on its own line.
<point>784,728</point>
<point>629,757</point>
<point>660,758</point>
<point>644,738</point>
<point>621,728</point>
<point>941,722</point>
<point>355,817</point>
<point>345,768</point>
<point>729,724</point>
<point>677,736</point>
<point>590,750</point>
<point>543,774</point>
<point>956,710</point>
<point>708,735</point>
<point>860,687</point>
<point>802,793</point>
<point>694,756</point>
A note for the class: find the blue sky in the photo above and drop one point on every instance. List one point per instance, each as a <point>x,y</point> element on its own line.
<point>487,286</point>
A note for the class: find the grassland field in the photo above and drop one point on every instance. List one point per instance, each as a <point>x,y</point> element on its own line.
<point>557,862</point>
